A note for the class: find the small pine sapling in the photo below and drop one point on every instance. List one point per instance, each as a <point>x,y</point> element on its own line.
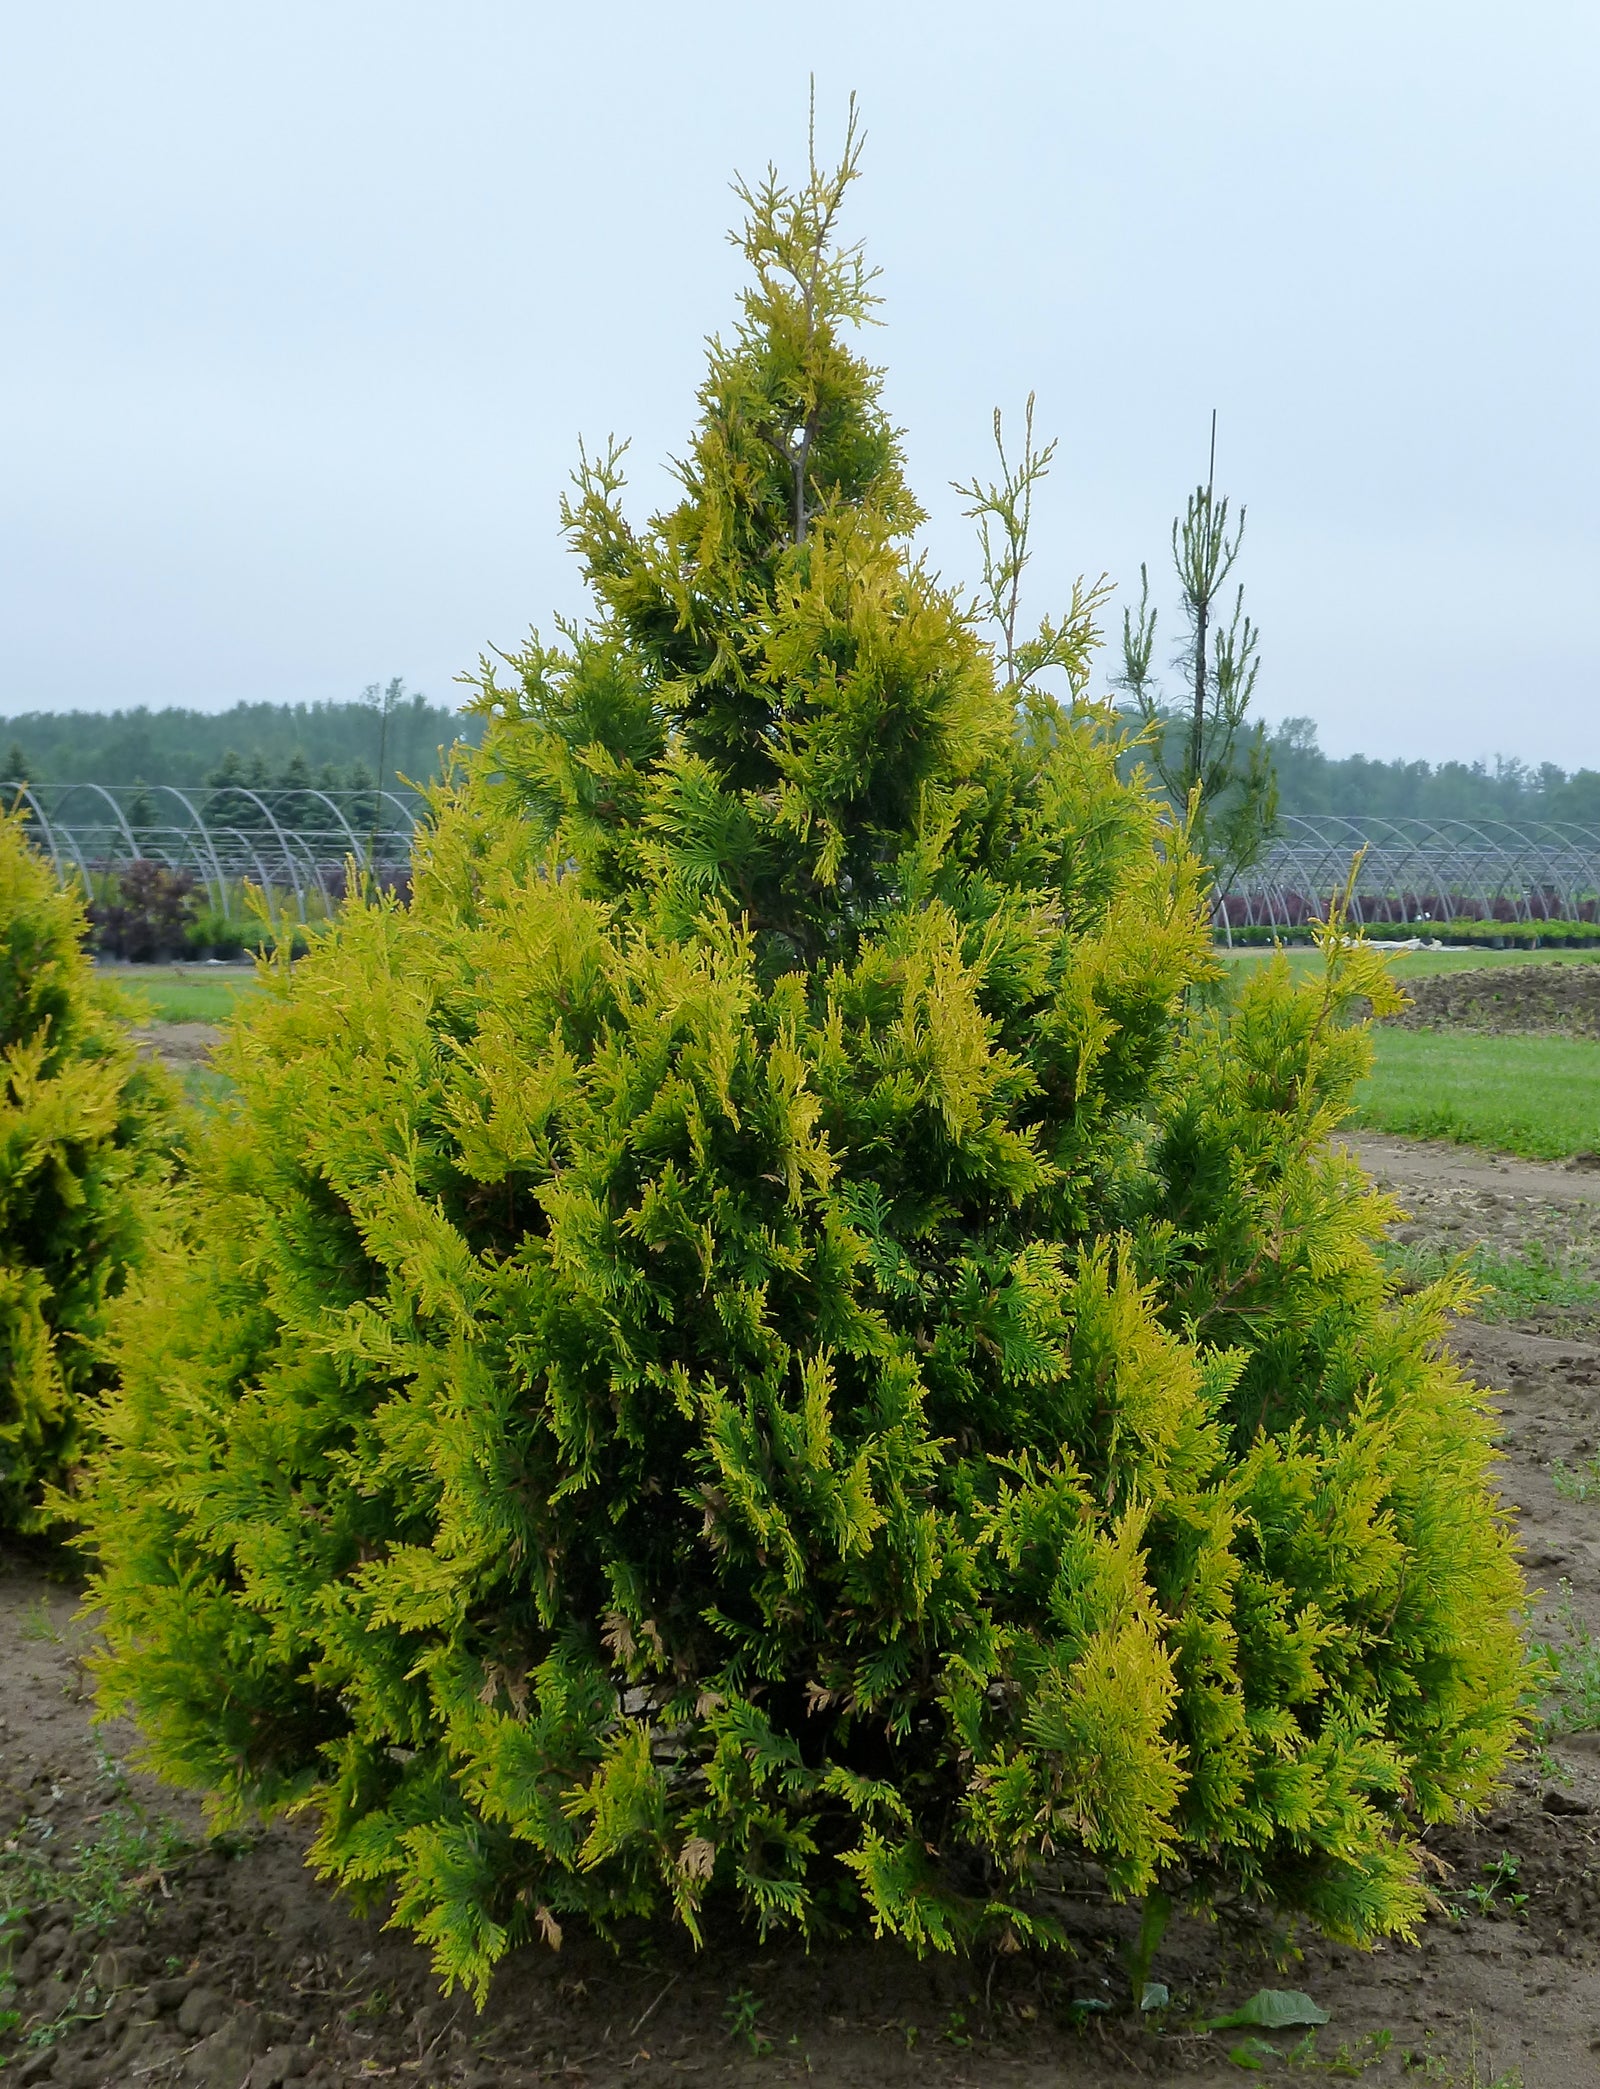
<point>1213,765</point>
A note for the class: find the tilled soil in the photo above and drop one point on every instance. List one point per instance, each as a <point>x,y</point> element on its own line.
<point>1559,998</point>
<point>224,1962</point>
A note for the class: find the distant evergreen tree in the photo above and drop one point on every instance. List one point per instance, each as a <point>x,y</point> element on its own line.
<point>140,810</point>
<point>258,803</point>
<point>289,800</point>
<point>227,805</point>
<point>360,808</point>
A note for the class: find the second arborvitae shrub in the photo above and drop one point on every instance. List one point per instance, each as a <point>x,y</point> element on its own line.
<point>755,1343</point>
<point>85,1129</point>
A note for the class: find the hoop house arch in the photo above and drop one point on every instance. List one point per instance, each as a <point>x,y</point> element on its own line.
<point>1410,870</point>
<point>86,831</point>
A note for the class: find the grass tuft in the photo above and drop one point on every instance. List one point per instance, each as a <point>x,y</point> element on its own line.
<point>1572,1671</point>
<point>1512,1285</point>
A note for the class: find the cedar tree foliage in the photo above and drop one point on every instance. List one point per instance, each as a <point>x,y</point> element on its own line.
<point>754,1345</point>
<point>84,1128</point>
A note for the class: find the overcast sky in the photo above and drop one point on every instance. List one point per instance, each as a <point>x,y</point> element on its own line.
<point>305,307</point>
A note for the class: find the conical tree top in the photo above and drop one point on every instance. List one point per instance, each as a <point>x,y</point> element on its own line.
<point>774,686</point>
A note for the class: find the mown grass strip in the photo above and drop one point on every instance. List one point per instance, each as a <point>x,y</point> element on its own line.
<point>1417,964</point>
<point>1535,1096</point>
<point>1512,1285</point>
<point>170,996</point>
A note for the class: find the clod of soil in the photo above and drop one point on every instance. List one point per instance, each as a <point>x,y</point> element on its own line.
<point>1556,999</point>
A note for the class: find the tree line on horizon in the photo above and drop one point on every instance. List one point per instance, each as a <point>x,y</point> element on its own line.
<point>337,746</point>
<point>1360,786</point>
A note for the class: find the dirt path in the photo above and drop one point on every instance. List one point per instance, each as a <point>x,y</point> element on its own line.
<point>224,1963</point>
<point>1410,1166</point>
<point>180,1045</point>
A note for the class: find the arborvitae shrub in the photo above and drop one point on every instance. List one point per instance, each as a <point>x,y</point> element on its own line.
<point>84,1130</point>
<point>758,1342</point>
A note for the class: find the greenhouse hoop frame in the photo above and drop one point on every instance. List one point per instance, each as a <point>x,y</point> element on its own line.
<point>1411,870</point>
<point>295,844</point>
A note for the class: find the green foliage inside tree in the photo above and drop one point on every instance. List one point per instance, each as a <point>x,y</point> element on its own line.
<point>84,1130</point>
<point>755,1347</point>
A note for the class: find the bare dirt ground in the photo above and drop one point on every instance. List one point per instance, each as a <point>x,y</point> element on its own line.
<point>180,1045</point>
<point>140,1953</point>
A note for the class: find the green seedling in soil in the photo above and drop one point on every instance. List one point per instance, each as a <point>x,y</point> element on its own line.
<point>38,1625</point>
<point>1488,1895</point>
<point>1432,2068</point>
<point>955,2031</point>
<point>742,2017</point>
<point>1348,2064</point>
<point>1575,1482</point>
<point>99,1879</point>
<point>1572,1671</point>
<point>1153,1923</point>
<point>1253,2053</point>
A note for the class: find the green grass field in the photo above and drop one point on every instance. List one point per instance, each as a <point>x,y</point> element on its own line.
<point>1415,964</point>
<point>1537,1096</point>
<point>166,994</point>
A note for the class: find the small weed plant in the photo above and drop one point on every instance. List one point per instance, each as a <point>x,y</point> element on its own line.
<point>743,2019</point>
<point>93,1882</point>
<point>1494,1891</point>
<point>1571,1666</point>
<point>1346,2063</point>
<point>1428,2065</point>
<point>1575,1482</point>
<point>90,1884</point>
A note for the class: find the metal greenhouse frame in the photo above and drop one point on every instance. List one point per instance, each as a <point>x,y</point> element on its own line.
<point>294,845</point>
<point>297,845</point>
<point>1419,870</point>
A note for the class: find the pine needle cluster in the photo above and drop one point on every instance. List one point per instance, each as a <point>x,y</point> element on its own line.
<point>84,1131</point>
<point>761,1343</point>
